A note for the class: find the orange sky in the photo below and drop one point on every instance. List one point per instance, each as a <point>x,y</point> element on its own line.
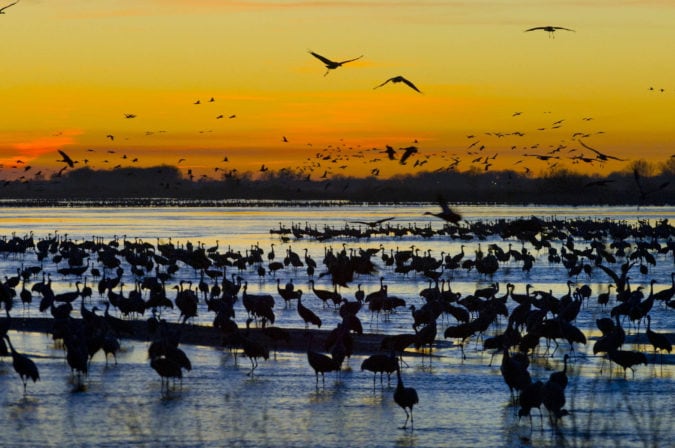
<point>72,69</point>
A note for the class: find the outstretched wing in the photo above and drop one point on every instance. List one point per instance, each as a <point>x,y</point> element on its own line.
<point>11,4</point>
<point>444,204</point>
<point>611,273</point>
<point>322,59</point>
<point>350,60</point>
<point>380,85</point>
<point>636,175</point>
<point>536,28</point>
<point>66,158</point>
<point>600,155</point>
<point>410,84</point>
<point>380,221</point>
<point>562,28</point>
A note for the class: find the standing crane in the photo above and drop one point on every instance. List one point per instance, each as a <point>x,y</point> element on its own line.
<point>406,397</point>
<point>23,365</point>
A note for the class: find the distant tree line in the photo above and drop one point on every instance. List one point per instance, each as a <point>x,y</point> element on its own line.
<point>636,186</point>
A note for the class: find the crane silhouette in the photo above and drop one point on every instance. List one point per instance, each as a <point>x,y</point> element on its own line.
<point>644,193</point>
<point>2,10</point>
<point>553,398</point>
<point>380,363</point>
<point>307,315</point>
<point>320,363</point>
<point>331,65</point>
<point>166,368</point>
<point>600,156</point>
<point>397,79</point>
<point>66,159</point>
<point>407,152</point>
<point>406,397</point>
<point>560,377</point>
<point>446,213</point>
<point>23,365</point>
<point>549,29</point>
<point>372,224</point>
<point>659,341</point>
<point>531,397</point>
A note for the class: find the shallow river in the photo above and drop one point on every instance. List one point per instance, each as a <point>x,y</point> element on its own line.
<point>462,402</point>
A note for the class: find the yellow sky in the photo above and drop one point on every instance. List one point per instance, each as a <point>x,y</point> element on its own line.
<point>71,69</point>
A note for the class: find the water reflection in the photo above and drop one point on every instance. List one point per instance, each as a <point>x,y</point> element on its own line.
<point>462,402</point>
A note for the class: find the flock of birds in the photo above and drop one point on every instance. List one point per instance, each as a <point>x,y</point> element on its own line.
<point>200,278</point>
<point>481,153</point>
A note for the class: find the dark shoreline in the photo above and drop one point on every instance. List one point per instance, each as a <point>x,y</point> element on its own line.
<point>208,336</point>
<point>165,183</point>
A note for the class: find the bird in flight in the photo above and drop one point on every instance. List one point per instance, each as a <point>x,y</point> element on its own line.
<point>129,115</point>
<point>647,192</point>
<point>372,224</point>
<point>66,159</point>
<point>331,65</point>
<point>397,79</point>
<point>549,29</point>
<point>391,153</point>
<point>599,155</point>
<point>408,151</point>
<point>446,213</point>
<point>2,10</point>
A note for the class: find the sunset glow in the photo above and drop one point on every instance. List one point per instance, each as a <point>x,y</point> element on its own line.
<point>73,69</point>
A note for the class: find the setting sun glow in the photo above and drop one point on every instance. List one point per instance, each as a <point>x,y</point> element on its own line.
<point>219,85</point>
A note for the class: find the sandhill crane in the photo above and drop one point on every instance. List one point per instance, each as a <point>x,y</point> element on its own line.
<point>531,397</point>
<point>320,363</point>
<point>560,377</point>
<point>325,295</point>
<point>331,65</point>
<point>659,341</point>
<point>407,152</point>
<point>644,193</point>
<point>288,293</point>
<point>549,29</point>
<point>23,365</point>
<point>627,359</point>
<point>381,364</point>
<point>666,294</point>
<point>600,156</point>
<point>253,349</point>
<point>406,397</point>
<point>307,315</point>
<point>166,368</point>
<point>553,398</point>
<point>66,159</point>
<point>372,224</point>
<point>397,79</point>
<point>446,213</point>
<point>514,371</point>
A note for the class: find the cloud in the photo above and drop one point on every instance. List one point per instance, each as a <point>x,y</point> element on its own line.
<point>31,149</point>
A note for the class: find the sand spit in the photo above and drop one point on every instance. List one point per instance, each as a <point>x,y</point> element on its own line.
<point>364,344</point>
